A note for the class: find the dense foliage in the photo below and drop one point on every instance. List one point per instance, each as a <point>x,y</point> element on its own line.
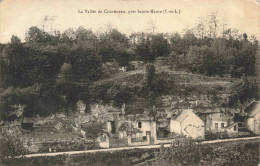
<point>11,146</point>
<point>187,152</point>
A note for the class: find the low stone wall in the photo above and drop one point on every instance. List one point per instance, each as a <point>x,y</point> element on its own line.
<point>162,141</point>
<point>62,145</point>
<point>139,143</point>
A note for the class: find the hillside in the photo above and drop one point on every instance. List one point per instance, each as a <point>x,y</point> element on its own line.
<point>184,89</point>
<point>50,73</point>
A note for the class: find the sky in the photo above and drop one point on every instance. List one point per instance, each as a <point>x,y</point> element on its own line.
<point>17,16</point>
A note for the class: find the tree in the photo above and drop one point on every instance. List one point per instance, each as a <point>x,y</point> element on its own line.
<point>120,94</point>
<point>222,57</point>
<point>15,40</point>
<point>85,36</point>
<point>151,26</point>
<point>93,130</point>
<point>149,75</point>
<point>244,91</point>
<point>34,35</point>
<point>195,58</point>
<point>201,28</point>
<point>12,65</point>
<point>68,36</point>
<point>176,44</point>
<point>114,45</point>
<point>143,48</point>
<point>245,60</point>
<point>213,24</point>
<point>159,46</point>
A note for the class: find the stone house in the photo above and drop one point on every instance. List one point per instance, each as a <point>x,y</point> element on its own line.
<point>216,121</point>
<point>189,124</point>
<point>252,117</point>
<point>146,125</point>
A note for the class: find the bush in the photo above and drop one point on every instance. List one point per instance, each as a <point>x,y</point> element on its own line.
<point>11,146</point>
<point>184,151</point>
<point>210,136</point>
<point>218,135</point>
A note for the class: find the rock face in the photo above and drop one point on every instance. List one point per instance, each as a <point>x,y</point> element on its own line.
<point>199,103</point>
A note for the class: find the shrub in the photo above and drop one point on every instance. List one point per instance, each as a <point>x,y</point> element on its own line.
<point>218,135</point>
<point>11,146</point>
<point>184,151</point>
<point>210,136</point>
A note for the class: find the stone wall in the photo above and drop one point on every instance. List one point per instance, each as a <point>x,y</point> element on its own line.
<point>139,143</point>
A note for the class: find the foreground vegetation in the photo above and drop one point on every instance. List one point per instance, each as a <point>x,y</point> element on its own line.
<point>182,152</point>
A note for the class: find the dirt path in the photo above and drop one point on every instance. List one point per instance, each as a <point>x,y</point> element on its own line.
<point>128,148</point>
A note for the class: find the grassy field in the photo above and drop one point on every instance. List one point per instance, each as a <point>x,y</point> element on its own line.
<point>247,150</point>
<point>135,77</point>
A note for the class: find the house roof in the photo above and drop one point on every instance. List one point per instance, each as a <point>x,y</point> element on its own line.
<point>144,117</point>
<point>183,115</point>
<point>220,116</point>
<point>231,125</point>
<point>253,109</point>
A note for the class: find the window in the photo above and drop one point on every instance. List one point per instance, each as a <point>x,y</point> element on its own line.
<point>222,125</point>
<point>216,126</point>
<point>235,128</point>
<point>103,138</point>
<point>139,124</point>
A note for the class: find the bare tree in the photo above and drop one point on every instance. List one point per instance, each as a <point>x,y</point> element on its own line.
<point>151,26</point>
<point>213,24</point>
<point>200,28</point>
<point>224,24</point>
<point>47,22</point>
<point>108,28</point>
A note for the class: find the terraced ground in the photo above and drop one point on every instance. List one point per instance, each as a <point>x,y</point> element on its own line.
<point>135,78</point>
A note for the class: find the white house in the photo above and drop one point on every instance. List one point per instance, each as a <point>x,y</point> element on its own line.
<point>189,124</point>
<point>219,121</point>
<point>252,120</point>
<point>146,126</point>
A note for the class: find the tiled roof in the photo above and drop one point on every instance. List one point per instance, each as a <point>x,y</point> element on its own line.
<point>182,115</point>
<point>253,109</point>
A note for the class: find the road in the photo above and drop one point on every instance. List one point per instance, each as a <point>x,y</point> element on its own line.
<point>128,148</point>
